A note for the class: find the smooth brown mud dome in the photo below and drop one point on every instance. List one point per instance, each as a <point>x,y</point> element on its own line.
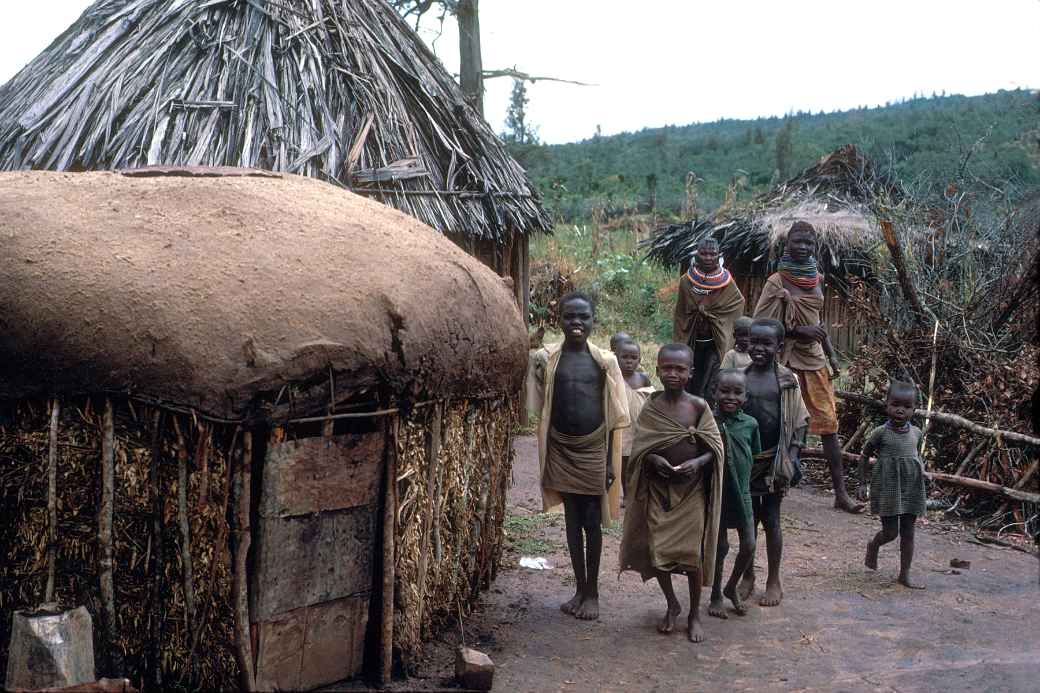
<point>216,292</point>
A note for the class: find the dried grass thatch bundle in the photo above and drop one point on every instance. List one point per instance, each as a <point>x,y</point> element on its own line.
<point>341,90</point>
<point>837,195</point>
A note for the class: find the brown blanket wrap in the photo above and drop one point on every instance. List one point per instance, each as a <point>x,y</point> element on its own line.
<point>576,464</point>
<point>793,310</point>
<point>720,308</point>
<point>672,526</point>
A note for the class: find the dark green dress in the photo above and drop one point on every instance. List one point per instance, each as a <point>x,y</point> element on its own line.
<point>742,442</point>
<point>897,482</point>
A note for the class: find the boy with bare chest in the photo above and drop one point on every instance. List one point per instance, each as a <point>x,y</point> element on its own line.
<point>675,480</point>
<point>582,401</point>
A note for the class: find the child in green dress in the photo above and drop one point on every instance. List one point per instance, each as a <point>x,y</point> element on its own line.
<point>897,491</point>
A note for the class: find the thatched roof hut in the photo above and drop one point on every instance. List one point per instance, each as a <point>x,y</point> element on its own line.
<point>340,90</point>
<point>838,195</point>
<point>352,373</point>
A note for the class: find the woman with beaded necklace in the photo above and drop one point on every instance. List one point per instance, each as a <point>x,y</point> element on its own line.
<point>794,296</point>
<point>708,304</point>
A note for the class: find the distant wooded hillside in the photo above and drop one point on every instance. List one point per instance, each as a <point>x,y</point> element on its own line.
<point>929,141</point>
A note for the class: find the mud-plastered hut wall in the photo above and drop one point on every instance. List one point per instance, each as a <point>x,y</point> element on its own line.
<point>284,409</point>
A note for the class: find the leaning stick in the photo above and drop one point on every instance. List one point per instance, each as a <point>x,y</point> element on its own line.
<point>972,454</point>
<point>389,535</point>
<point>105,515</point>
<point>948,419</point>
<point>855,436</point>
<point>52,501</point>
<point>931,386</point>
<point>243,639</point>
<point>182,520</point>
<point>964,481</point>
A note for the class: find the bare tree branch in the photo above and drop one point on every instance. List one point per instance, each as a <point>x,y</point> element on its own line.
<point>517,74</point>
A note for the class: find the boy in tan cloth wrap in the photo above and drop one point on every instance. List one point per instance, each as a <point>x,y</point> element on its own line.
<point>580,393</point>
<point>794,296</point>
<point>675,486</point>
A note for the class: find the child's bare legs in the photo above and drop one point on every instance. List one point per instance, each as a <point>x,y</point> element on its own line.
<point>906,551</point>
<point>715,606</point>
<point>694,630</point>
<point>745,559</point>
<point>747,582</point>
<point>774,548</point>
<point>585,543</point>
<point>667,624</point>
<point>892,526</point>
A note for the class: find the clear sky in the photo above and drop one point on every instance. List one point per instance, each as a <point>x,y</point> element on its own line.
<point>659,62</point>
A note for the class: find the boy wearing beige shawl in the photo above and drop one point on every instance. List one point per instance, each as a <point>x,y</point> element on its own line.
<point>675,486</point>
<point>581,396</point>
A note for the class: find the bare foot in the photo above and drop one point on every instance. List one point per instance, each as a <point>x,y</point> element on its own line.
<point>717,609</point>
<point>667,624</point>
<point>694,631</point>
<point>588,610</point>
<point>747,587</point>
<point>570,606</point>
<point>738,604</point>
<point>872,551</point>
<point>905,581</point>
<point>773,596</point>
<point>848,505</point>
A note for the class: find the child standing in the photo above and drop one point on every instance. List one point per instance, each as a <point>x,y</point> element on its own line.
<point>741,443</point>
<point>737,357</point>
<point>637,389</point>
<point>897,482</point>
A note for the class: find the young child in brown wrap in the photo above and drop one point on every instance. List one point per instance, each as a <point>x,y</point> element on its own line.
<point>637,389</point>
<point>580,393</point>
<point>675,479</point>
<point>897,490</point>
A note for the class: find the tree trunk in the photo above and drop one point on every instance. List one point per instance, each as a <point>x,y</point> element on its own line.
<point>471,67</point>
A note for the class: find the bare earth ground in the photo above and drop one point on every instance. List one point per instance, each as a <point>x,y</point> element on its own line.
<point>840,627</point>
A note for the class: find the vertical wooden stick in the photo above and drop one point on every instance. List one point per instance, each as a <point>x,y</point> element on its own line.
<point>389,536</point>
<point>187,573</point>
<point>156,609</point>
<point>931,387</point>
<point>52,501</point>
<point>433,451</point>
<point>243,639</point>
<point>105,517</point>
<point>202,460</point>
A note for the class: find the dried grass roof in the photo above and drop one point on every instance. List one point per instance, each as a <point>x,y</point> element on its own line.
<point>836,195</point>
<point>341,90</point>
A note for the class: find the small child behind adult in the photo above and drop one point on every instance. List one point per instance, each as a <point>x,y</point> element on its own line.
<point>897,491</point>
<point>742,443</point>
<point>737,357</point>
<point>637,389</point>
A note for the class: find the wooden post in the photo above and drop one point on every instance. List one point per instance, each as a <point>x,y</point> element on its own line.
<point>156,608</point>
<point>114,664</point>
<point>471,66</point>
<point>187,574</point>
<point>240,586</point>
<point>433,451</point>
<point>52,501</point>
<point>389,536</point>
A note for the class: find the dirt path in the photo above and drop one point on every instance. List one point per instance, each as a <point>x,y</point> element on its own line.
<point>840,627</point>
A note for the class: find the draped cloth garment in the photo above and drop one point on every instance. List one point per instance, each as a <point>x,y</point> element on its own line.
<point>672,525</point>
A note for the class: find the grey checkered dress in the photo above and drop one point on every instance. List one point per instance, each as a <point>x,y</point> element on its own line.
<point>897,482</point>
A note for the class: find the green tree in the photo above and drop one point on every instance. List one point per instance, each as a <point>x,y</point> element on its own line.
<point>784,147</point>
<point>518,129</point>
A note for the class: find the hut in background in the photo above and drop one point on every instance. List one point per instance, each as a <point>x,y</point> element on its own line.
<point>339,90</point>
<point>276,418</point>
<point>838,196</point>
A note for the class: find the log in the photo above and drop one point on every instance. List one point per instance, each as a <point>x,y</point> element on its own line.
<point>389,535</point>
<point>976,484</point>
<point>187,573</point>
<point>905,282</point>
<point>948,419</point>
<point>240,589</point>
<point>52,501</point>
<point>105,560</point>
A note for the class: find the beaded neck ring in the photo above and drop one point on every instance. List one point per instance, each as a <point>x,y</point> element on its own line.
<point>804,275</point>
<point>706,283</point>
<point>905,428</point>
